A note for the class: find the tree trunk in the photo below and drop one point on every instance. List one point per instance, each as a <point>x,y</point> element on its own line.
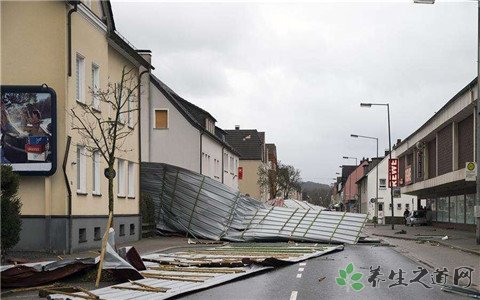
<point>110,190</point>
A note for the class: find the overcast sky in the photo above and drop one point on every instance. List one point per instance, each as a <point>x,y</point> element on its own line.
<point>299,71</point>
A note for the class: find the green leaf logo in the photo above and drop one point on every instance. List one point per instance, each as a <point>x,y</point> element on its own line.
<point>352,281</point>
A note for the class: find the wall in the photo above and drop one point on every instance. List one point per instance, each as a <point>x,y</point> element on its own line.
<point>213,149</point>
<point>249,185</point>
<point>178,145</point>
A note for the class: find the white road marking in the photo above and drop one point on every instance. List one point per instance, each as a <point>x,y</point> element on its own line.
<point>293,296</point>
<point>301,269</point>
<point>299,275</point>
<point>303,264</point>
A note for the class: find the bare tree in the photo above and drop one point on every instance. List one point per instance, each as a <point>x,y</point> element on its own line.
<point>268,179</point>
<point>107,133</point>
<point>288,179</point>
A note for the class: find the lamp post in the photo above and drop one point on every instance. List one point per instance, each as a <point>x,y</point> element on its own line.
<point>376,174</point>
<point>348,157</point>
<point>389,146</point>
<point>477,125</point>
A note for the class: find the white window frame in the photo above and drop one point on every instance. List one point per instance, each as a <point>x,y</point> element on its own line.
<point>81,170</point>
<point>231,164</point>
<point>130,113</point>
<point>95,86</point>
<point>121,178</point>
<point>80,78</point>
<point>131,180</point>
<point>96,173</point>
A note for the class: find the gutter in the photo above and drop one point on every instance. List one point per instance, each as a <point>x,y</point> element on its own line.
<point>69,196</point>
<point>69,35</point>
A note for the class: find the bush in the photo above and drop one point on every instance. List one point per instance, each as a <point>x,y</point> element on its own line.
<point>11,205</point>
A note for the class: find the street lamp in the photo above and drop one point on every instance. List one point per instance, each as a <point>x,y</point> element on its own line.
<point>477,126</point>
<point>389,146</point>
<point>376,173</point>
<point>348,157</point>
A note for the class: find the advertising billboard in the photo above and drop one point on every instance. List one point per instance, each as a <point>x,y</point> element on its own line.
<point>392,172</point>
<point>28,129</point>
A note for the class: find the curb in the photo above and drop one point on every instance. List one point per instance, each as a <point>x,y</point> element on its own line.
<point>440,242</point>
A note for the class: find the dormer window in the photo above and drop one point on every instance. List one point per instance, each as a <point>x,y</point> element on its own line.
<point>210,125</point>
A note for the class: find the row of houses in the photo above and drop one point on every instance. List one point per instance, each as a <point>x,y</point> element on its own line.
<point>432,170</point>
<point>70,48</point>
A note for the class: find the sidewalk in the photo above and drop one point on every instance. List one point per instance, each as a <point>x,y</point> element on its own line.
<point>143,246</point>
<point>462,240</point>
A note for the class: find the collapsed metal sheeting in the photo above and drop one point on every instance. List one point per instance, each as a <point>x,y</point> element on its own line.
<point>174,274</point>
<point>195,204</point>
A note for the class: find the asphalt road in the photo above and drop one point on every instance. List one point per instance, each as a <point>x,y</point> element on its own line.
<point>301,281</point>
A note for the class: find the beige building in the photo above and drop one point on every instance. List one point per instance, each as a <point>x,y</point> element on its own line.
<point>72,46</point>
<point>250,144</point>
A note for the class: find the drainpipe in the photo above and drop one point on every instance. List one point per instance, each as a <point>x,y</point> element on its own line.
<point>139,81</point>
<point>223,171</point>
<point>69,35</point>
<point>69,197</point>
<point>201,156</point>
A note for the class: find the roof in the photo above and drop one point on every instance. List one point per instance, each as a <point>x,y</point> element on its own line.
<point>247,142</point>
<point>346,171</point>
<point>371,165</point>
<point>188,111</point>
<point>454,98</point>
<point>198,113</point>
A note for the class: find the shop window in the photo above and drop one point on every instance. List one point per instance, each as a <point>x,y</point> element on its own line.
<point>161,119</point>
<point>469,204</point>
<point>82,235</point>
<point>442,209</point>
<point>452,209</point>
<point>122,229</point>
<point>132,229</point>
<point>96,233</point>
<point>460,209</point>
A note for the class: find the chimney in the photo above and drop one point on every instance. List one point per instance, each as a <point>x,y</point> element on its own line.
<point>237,127</point>
<point>146,55</point>
<point>387,152</point>
<point>399,141</point>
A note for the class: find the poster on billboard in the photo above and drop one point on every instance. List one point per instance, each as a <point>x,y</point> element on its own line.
<point>28,129</point>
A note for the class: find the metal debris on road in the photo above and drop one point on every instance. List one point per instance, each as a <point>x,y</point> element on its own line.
<point>202,207</point>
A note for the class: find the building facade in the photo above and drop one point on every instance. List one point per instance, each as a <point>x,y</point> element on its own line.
<point>250,144</point>
<point>180,133</point>
<point>432,162</point>
<point>81,51</point>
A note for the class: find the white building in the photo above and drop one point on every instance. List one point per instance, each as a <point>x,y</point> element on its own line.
<point>367,185</point>
<point>179,133</point>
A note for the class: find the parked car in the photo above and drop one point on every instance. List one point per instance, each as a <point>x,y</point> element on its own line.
<point>417,217</point>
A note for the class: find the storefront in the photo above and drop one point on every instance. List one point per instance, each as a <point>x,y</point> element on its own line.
<point>454,212</point>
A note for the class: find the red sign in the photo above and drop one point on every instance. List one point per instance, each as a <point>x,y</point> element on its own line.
<point>40,148</point>
<point>393,172</point>
<point>240,172</point>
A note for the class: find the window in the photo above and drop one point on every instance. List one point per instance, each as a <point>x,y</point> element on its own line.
<point>382,184</point>
<point>81,170</point>
<point>231,164</point>
<point>161,119</point>
<point>122,229</point>
<point>95,86</point>
<point>469,206</point>
<point>210,125</point>
<point>389,206</point>
<point>82,235</point>
<point>96,234</point>
<point>236,166</point>
<point>131,180</point>
<point>121,178</point>
<point>407,206</point>
<point>96,173</point>
<point>399,205</point>
<point>132,229</point>
<point>80,79</point>
<point>225,162</point>
<point>380,206</point>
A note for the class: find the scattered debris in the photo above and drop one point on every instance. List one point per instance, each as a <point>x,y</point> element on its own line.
<point>461,291</point>
<point>321,279</point>
<point>445,238</point>
<point>401,232</point>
